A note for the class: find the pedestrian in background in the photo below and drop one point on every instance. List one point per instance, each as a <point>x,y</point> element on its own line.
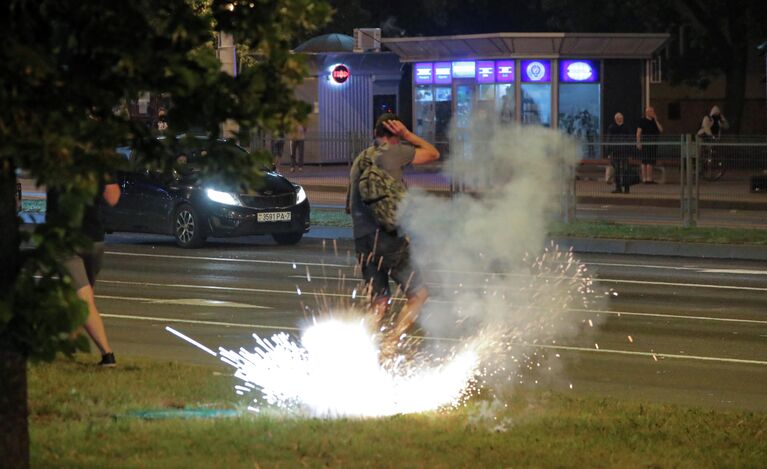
<point>297,137</point>
<point>84,265</point>
<point>618,132</point>
<point>161,124</point>
<point>278,147</point>
<point>648,131</point>
<point>713,123</point>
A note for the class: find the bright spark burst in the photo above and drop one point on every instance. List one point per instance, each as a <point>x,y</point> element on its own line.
<point>335,370</point>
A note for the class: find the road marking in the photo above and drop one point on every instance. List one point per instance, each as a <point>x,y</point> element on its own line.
<point>272,262</point>
<point>447,339</point>
<point>198,322</point>
<point>223,259</point>
<point>677,284</point>
<point>435,300</point>
<point>672,316</point>
<point>213,287</point>
<point>734,271</point>
<point>596,280</point>
<point>650,354</point>
<point>670,267</point>
<point>186,302</point>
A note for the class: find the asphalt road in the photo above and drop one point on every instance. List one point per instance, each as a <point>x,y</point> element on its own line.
<point>678,331</point>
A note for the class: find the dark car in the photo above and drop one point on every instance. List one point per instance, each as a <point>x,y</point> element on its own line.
<point>182,204</point>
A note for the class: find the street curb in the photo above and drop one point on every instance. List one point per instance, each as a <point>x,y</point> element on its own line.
<point>663,248</point>
<point>578,245</point>
<point>614,246</point>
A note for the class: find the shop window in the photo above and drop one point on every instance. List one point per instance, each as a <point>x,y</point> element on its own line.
<point>579,110</point>
<point>425,118</point>
<point>463,106</point>
<point>536,104</point>
<point>504,103</point>
<point>580,114</point>
<point>443,112</point>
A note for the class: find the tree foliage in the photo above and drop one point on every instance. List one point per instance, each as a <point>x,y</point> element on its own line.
<point>67,67</point>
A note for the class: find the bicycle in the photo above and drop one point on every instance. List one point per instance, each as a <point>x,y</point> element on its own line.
<point>710,164</point>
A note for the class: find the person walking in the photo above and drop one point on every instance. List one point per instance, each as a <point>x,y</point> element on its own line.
<point>297,138</point>
<point>84,265</point>
<point>381,252</point>
<point>648,131</point>
<point>618,132</point>
<point>278,147</point>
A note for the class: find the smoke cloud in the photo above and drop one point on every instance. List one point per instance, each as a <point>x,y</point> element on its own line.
<point>485,247</point>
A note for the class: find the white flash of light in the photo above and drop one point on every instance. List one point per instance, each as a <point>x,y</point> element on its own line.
<point>334,371</point>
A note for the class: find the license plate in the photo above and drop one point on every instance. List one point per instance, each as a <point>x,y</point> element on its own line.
<point>273,216</point>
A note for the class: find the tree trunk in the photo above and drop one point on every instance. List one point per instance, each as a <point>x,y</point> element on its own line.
<point>14,432</point>
<point>736,68</point>
<point>735,94</point>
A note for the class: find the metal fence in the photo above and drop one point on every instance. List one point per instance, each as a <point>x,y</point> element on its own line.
<point>697,182</point>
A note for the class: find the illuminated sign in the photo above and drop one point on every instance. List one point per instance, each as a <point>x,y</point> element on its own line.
<point>485,72</point>
<point>424,73</point>
<point>537,71</point>
<point>443,73</point>
<point>464,69</point>
<point>504,71</point>
<point>340,73</point>
<point>578,71</point>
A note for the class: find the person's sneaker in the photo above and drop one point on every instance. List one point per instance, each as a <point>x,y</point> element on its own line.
<point>108,360</point>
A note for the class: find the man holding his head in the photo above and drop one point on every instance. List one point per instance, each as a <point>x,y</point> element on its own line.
<point>383,253</point>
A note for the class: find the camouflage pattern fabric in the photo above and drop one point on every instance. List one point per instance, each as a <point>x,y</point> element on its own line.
<point>378,189</point>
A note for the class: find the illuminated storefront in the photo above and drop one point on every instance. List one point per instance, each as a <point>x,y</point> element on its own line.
<point>572,82</point>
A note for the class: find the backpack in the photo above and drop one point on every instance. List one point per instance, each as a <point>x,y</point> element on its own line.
<point>378,189</point>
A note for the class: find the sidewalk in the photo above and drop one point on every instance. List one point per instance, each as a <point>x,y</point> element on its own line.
<point>327,184</point>
<point>330,183</point>
<point>614,246</point>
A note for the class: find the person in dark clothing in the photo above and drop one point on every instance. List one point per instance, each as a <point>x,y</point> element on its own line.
<point>84,265</point>
<point>382,253</point>
<point>618,132</point>
<point>713,124</point>
<point>648,131</point>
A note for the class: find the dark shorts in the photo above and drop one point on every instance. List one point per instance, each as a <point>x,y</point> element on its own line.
<point>390,259</point>
<point>649,154</point>
<point>85,266</point>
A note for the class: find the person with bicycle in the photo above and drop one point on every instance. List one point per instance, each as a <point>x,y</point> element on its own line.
<point>713,124</point>
<point>711,167</point>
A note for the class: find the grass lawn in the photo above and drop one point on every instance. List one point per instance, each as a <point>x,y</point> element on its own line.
<point>79,418</point>
<point>583,229</point>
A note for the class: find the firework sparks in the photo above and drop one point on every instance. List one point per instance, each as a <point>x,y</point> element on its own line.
<point>335,370</point>
<point>344,364</point>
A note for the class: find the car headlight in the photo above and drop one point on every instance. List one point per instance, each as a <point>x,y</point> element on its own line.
<point>300,194</point>
<point>226,198</point>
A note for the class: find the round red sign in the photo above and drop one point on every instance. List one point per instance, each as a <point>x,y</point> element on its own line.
<point>340,73</point>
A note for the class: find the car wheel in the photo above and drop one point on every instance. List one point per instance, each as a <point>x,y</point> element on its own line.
<point>288,238</point>
<point>188,228</point>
